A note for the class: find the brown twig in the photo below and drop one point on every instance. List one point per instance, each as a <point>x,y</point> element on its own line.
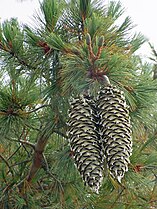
<point>38,108</point>
<point>14,153</point>
<point>22,142</point>
<point>38,151</point>
<point>6,162</point>
<point>27,143</point>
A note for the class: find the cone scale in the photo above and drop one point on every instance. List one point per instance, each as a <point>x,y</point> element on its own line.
<point>115,130</point>
<point>99,129</point>
<point>84,141</point>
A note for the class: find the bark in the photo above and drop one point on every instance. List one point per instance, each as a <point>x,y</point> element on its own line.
<point>38,157</point>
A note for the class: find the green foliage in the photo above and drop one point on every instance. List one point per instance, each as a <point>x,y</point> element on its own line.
<point>51,10</point>
<point>41,68</point>
<point>11,36</point>
<point>55,42</point>
<point>115,10</point>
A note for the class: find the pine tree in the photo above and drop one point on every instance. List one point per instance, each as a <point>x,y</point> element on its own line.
<point>57,111</point>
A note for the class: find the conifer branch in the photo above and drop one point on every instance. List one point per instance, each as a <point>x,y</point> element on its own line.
<point>69,67</point>
<point>38,157</point>
<point>23,62</point>
<point>6,162</point>
<point>38,108</point>
<point>13,54</point>
<point>13,153</point>
<point>27,143</point>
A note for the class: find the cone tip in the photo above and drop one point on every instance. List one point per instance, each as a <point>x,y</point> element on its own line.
<point>106,80</point>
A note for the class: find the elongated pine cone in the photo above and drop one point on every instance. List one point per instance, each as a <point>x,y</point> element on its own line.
<point>115,130</point>
<point>85,141</point>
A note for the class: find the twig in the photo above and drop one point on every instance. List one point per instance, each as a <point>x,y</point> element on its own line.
<point>117,198</point>
<point>14,153</point>
<point>47,170</point>
<point>31,111</point>
<point>24,142</point>
<point>21,61</point>
<point>22,113</point>
<point>28,143</point>
<point>25,161</point>
<point>31,127</point>
<point>7,164</point>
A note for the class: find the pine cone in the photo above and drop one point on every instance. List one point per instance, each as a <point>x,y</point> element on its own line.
<point>85,141</point>
<point>115,130</point>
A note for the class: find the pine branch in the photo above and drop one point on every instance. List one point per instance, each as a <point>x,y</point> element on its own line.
<point>6,162</point>
<point>38,152</point>
<point>21,61</point>
<point>13,153</point>
<point>38,108</point>
<point>27,143</point>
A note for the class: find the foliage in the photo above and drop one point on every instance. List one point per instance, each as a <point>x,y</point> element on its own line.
<point>71,47</point>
